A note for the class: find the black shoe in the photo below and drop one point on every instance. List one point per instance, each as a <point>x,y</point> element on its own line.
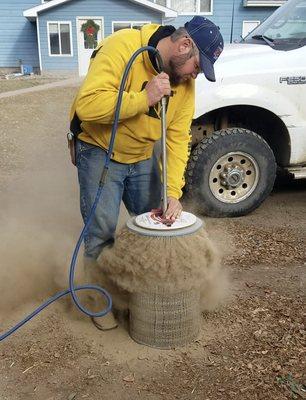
<point>106,323</point>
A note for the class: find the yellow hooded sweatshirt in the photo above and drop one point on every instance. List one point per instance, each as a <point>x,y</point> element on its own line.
<point>139,126</point>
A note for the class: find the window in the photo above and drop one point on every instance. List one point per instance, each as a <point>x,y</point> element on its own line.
<point>248,26</point>
<point>187,6</point>
<point>117,25</point>
<point>286,26</point>
<point>59,38</point>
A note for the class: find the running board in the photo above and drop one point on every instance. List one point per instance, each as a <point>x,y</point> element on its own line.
<point>297,172</point>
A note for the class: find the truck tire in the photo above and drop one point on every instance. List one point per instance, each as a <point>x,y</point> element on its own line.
<point>230,173</point>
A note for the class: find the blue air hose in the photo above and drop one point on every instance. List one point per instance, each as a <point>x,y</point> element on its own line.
<point>72,289</point>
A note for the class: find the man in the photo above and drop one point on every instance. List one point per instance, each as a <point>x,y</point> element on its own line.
<point>133,174</point>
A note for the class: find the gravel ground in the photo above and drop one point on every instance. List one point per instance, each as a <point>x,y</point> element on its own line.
<point>251,348</point>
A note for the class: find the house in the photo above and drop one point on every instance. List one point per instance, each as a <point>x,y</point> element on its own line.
<point>59,35</point>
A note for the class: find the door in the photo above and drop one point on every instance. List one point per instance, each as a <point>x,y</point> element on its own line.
<point>89,33</point>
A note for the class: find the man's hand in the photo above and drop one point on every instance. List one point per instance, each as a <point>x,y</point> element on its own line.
<point>157,88</point>
<point>174,209</point>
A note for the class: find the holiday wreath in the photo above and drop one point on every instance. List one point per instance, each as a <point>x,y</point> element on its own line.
<point>90,30</point>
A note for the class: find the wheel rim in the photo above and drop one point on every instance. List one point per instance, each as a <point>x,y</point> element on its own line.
<point>234,177</point>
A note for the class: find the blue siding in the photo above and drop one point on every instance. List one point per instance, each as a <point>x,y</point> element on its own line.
<point>246,14</point>
<point>111,10</point>
<point>18,35</point>
<point>222,16</point>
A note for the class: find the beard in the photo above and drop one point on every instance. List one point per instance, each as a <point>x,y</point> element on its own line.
<point>173,68</point>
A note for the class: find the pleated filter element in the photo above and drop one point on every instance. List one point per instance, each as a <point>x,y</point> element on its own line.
<point>165,320</point>
<point>165,281</point>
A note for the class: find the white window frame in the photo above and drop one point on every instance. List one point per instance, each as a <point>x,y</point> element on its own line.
<point>60,46</point>
<point>248,21</point>
<point>129,22</point>
<point>263,3</point>
<point>168,4</point>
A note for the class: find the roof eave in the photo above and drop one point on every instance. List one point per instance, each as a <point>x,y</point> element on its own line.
<point>168,12</point>
<point>30,16</point>
<point>171,14</point>
<point>32,13</point>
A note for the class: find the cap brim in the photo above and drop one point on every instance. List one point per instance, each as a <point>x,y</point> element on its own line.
<point>207,67</point>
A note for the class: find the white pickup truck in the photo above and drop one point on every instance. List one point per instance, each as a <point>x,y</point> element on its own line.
<point>253,118</point>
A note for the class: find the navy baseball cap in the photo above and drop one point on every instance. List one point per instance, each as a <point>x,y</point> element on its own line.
<point>209,41</point>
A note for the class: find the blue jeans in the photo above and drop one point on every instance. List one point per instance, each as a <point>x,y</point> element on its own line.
<point>137,184</point>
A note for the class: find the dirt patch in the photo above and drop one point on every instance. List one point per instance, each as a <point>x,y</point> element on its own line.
<point>251,348</point>
<point>7,85</point>
<point>272,246</point>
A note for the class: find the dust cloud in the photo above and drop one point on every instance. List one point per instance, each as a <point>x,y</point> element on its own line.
<point>138,263</point>
<point>40,224</point>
